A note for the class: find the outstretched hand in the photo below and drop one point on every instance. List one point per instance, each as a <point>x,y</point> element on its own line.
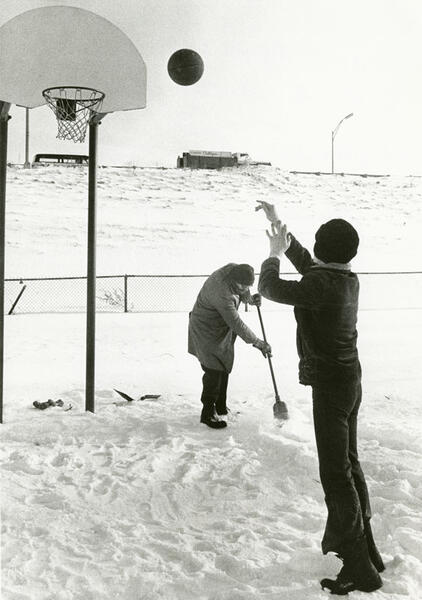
<point>279,238</point>
<point>269,210</point>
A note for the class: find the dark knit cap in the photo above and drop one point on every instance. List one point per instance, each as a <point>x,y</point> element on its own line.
<point>336,241</point>
<point>243,274</point>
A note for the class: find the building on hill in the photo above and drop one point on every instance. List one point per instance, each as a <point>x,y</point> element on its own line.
<point>208,159</point>
<point>204,159</point>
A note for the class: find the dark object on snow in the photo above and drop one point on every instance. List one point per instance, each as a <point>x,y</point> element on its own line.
<point>41,405</point>
<point>125,396</point>
<point>44,405</point>
<point>130,399</point>
<point>357,573</point>
<point>279,408</point>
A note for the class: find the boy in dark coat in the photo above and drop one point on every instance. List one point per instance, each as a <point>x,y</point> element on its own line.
<point>214,324</point>
<point>325,304</point>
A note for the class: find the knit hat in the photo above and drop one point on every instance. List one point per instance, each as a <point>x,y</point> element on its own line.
<point>243,274</point>
<point>336,241</point>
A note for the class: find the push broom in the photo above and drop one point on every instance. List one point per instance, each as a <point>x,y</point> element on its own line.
<point>279,408</point>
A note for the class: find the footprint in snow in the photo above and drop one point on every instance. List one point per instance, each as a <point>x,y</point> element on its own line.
<point>48,500</point>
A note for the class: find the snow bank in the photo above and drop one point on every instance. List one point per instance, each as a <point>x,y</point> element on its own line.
<point>139,501</point>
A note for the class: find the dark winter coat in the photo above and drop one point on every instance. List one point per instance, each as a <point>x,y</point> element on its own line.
<point>326,305</point>
<point>214,322</point>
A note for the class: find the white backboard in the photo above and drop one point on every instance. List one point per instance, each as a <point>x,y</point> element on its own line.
<point>67,46</point>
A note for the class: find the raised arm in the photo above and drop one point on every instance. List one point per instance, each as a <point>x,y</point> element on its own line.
<point>300,258</point>
<point>306,293</point>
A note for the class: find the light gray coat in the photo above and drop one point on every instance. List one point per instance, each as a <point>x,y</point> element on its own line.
<point>214,322</point>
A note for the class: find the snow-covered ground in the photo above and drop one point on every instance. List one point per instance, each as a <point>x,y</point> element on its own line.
<point>139,501</point>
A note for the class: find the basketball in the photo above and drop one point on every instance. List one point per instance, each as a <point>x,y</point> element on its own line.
<point>185,67</point>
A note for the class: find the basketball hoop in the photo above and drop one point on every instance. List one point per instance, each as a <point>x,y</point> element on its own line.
<point>73,107</point>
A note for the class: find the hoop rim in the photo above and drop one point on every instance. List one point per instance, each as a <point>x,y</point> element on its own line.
<point>73,107</point>
<point>47,92</point>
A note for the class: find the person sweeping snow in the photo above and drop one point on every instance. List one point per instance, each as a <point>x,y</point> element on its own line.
<point>214,324</point>
<point>325,303</point>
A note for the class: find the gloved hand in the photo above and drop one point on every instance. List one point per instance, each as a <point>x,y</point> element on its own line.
<point>256,300</point>
<point>263,347</point>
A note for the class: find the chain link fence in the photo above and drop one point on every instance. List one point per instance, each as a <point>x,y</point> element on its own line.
<point>177,293</point>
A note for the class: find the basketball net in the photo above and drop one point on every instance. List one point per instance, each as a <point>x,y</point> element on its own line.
<point>73,107</point>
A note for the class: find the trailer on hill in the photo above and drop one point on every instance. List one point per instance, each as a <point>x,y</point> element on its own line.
<point>61,159</point>
<point>207,159</point>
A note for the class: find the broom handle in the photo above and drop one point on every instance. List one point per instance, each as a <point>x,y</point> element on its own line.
<point>277,397</point>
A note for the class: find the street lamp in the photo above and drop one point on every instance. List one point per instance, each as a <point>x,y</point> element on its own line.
<point>333,135</point>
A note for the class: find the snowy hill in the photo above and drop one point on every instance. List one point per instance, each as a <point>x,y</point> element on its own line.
<point>140,501</point>
<point>201,218</point>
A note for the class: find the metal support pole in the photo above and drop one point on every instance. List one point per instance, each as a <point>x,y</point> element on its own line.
<point>27,164</point>
<point>125,293</point>
<point>91,268</point>
<point>4,118</point>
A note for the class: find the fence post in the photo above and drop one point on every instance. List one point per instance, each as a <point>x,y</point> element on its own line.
<point>125,292</point>
<point>17,299</point>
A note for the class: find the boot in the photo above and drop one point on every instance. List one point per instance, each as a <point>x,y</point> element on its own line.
<point>210,418</point>
<point>341,585</point>
<point>374,555</point>
<point>358,572</point>
<point>213,422</point>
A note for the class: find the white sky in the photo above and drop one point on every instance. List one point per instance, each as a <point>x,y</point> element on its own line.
<point>279,75</point>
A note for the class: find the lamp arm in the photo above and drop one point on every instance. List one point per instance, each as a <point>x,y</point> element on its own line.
<point>337,128</point>
<point>334,132</point>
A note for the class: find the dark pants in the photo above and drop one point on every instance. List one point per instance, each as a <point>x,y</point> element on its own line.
<point>335,407</point>
<point>214,391</point>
